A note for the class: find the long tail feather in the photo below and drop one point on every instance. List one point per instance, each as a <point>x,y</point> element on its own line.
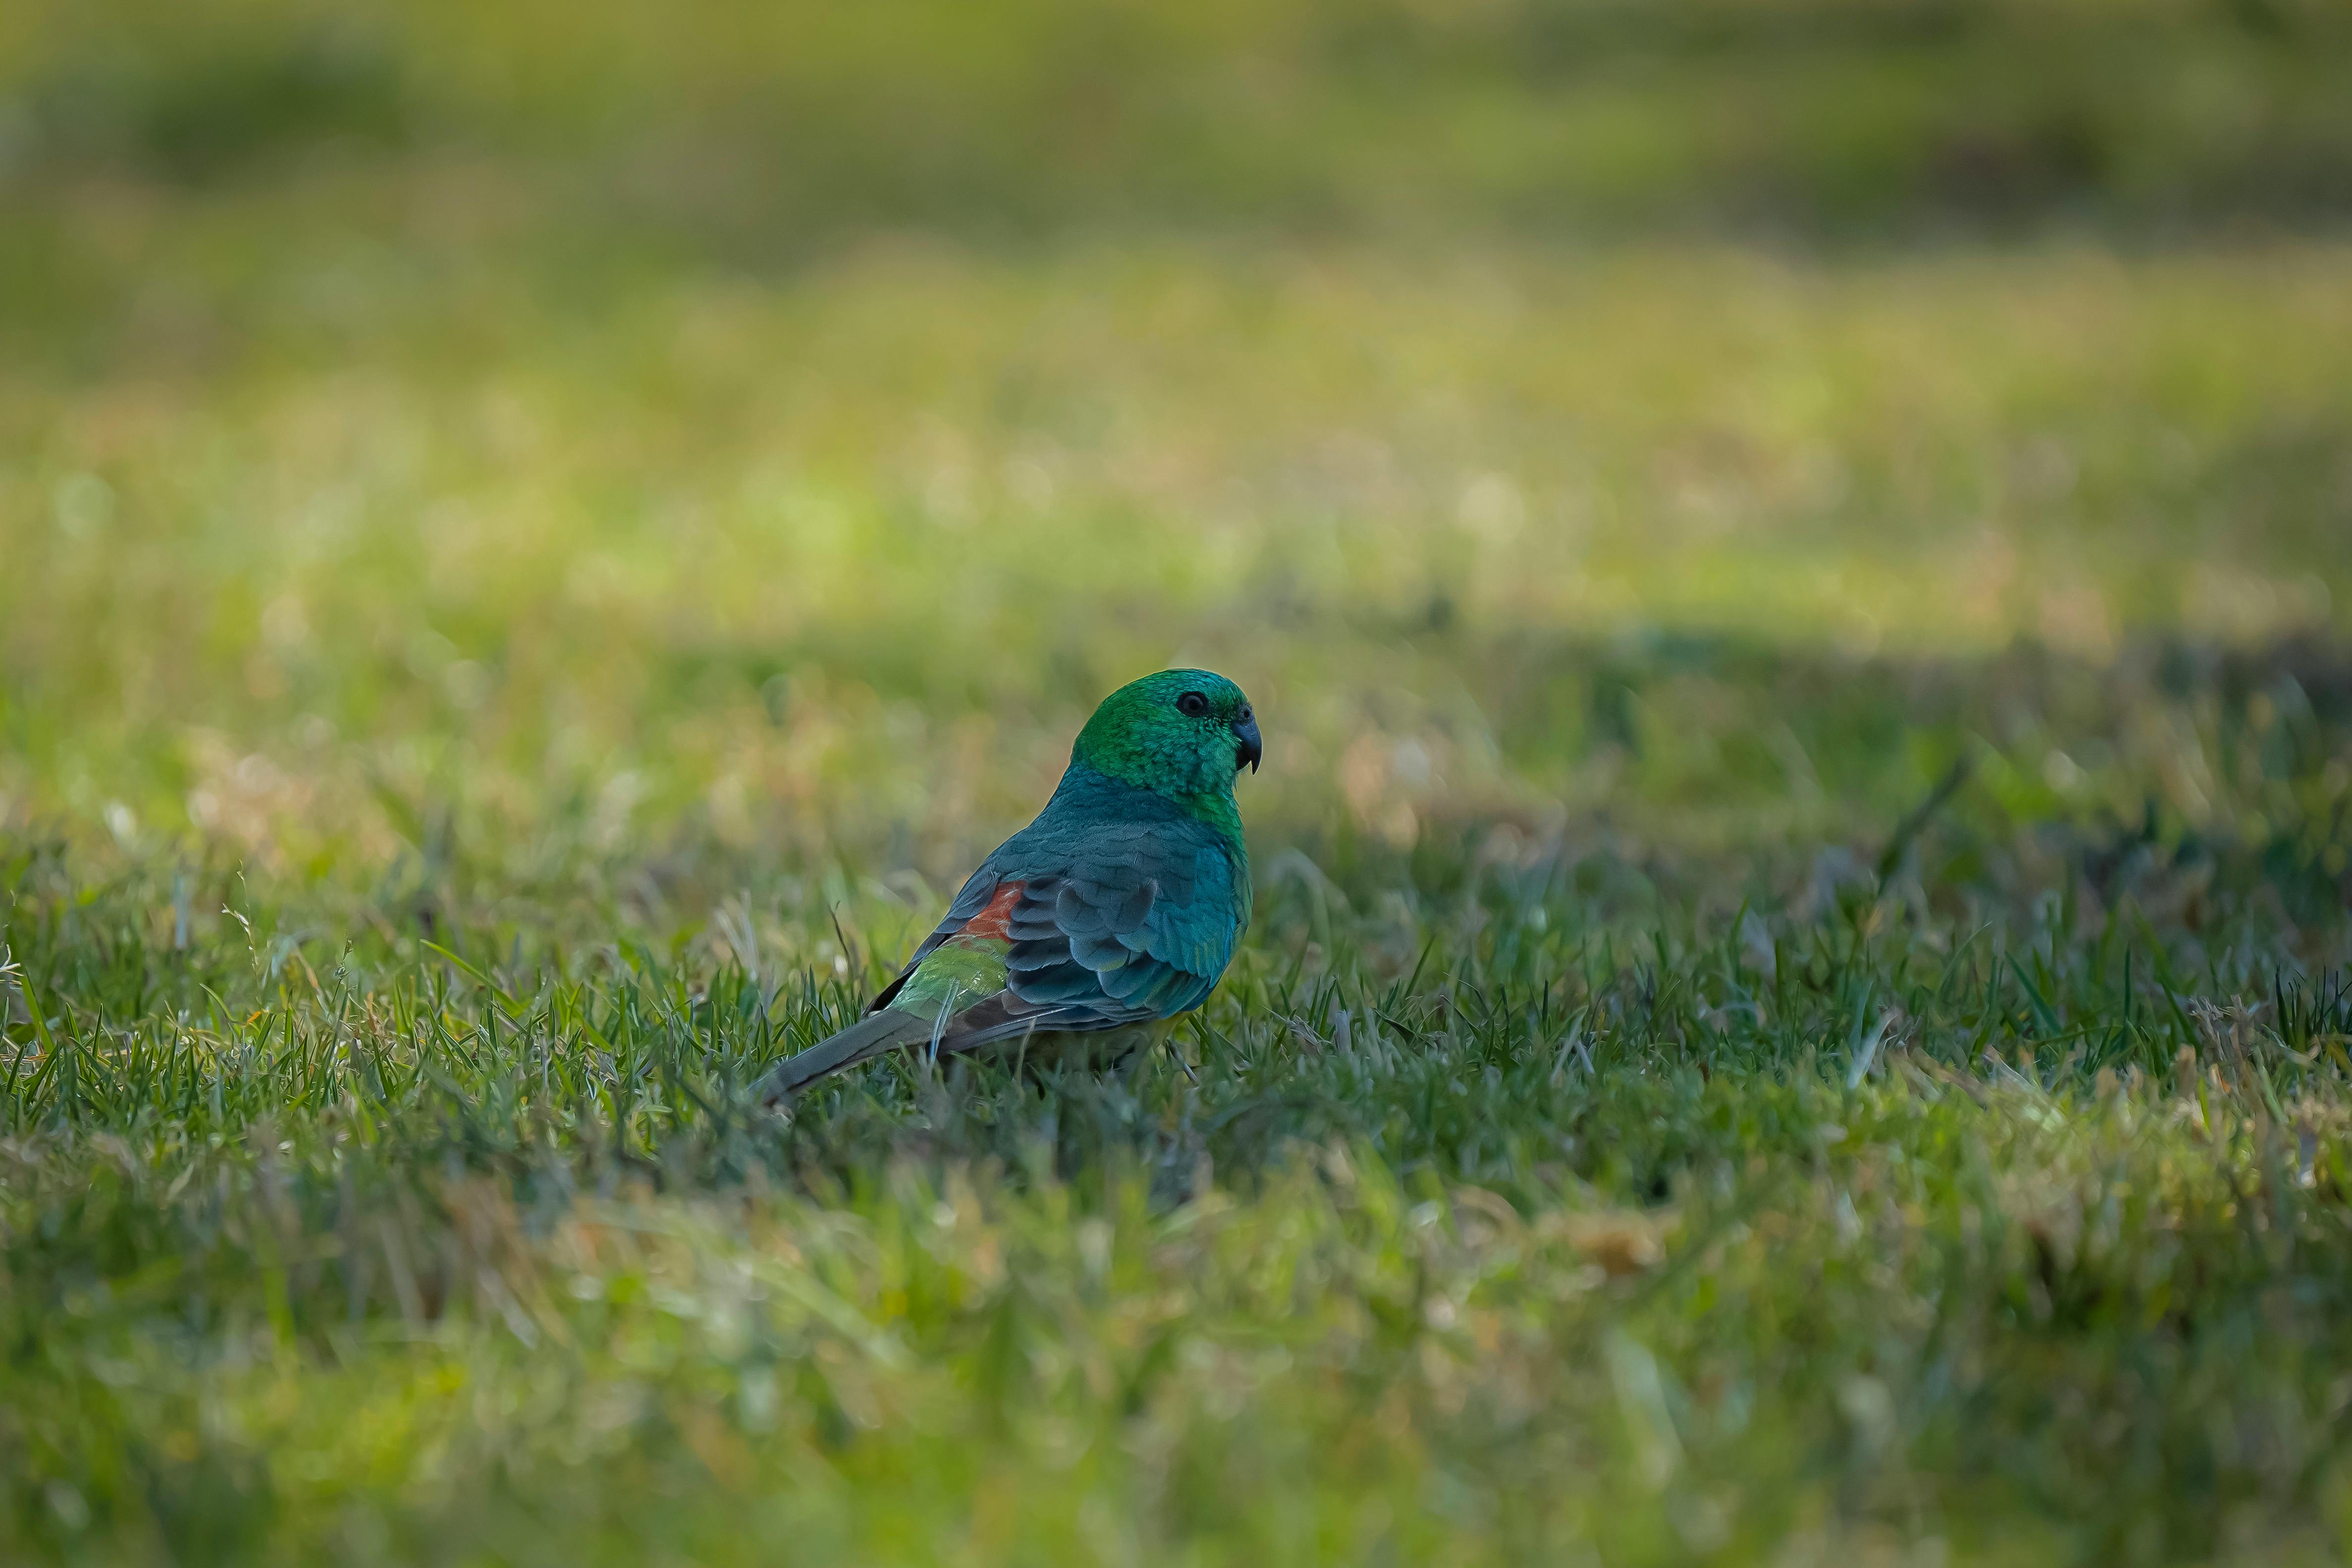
<point>869,1036</point>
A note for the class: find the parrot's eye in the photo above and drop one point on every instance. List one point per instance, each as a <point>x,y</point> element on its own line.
<point>1246,715</point>
<point>1193,705</point>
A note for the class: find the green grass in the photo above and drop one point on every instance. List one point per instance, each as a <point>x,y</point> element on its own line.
<point>1794,559</point>
<point>1612,1224</point>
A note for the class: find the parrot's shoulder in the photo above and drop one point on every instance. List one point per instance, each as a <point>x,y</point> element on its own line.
<point>1094,821</point>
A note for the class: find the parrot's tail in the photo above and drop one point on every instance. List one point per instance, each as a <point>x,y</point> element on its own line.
<point>869,1036</point>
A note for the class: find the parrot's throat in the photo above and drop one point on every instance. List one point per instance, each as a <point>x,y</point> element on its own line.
<point>1205,795</point>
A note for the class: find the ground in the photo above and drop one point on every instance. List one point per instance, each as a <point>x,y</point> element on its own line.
<point>1795,571</point>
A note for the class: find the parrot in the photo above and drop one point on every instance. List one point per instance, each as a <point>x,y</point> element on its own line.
<point>1112,912</point>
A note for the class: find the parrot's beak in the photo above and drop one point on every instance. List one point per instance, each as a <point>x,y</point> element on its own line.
<point>1246,751</point>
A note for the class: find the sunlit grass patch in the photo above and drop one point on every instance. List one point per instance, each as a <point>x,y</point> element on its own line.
<point>714,548</point>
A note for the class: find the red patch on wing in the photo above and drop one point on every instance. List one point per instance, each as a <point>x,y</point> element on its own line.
<point>991,921</point>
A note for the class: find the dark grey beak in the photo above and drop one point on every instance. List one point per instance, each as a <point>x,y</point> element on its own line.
<point>1246,751</point>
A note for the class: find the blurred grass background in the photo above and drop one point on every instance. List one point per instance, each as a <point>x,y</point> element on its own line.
<point>467,409</point>
<point>536,543</point>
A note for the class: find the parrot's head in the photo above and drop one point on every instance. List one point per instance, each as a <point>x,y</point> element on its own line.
<point>1182,733</point>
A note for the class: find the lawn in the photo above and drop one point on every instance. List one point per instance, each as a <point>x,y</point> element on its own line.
<point>1795,560</point>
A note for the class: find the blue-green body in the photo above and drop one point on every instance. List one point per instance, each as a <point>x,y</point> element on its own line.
<point>1118,906</point>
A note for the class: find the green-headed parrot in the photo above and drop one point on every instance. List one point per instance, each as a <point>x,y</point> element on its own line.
<point>1115,911</point>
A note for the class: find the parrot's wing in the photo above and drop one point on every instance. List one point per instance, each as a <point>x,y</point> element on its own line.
<point>1139,925</point>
